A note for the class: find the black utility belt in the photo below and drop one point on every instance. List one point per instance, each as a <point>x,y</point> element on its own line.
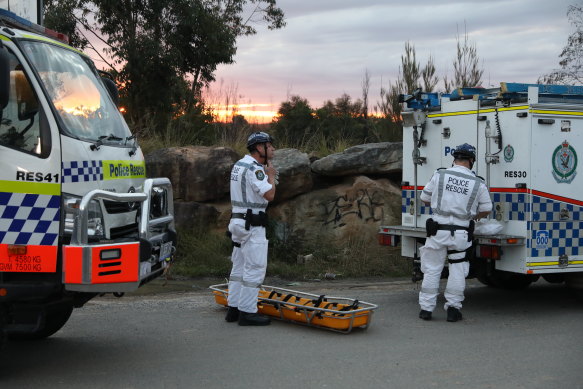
<point>431,226</point>
<point>251,219</point>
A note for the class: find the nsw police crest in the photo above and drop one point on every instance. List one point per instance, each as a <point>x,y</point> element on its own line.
<point>564,163</point>
<point>508,153</point>
<point>260,175</point>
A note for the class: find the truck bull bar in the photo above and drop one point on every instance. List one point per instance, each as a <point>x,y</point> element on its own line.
<point>122,266</point>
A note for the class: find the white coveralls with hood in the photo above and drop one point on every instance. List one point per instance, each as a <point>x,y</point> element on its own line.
<point>456,196</point>
<point>248,185</point>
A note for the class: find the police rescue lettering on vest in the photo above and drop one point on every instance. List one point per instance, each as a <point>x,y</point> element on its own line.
<point>123,169</point>
<point>457,185</point>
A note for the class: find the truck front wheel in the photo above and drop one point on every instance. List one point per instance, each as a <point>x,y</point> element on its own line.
<point>54,319</point>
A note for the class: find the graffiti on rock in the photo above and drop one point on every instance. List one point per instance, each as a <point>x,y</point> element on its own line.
<point>365,206</point>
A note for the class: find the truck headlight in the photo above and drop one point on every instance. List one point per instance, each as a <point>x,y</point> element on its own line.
<point>71,211</point>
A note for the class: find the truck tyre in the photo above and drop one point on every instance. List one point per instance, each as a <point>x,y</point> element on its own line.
<point>2,333</point>
<point>554,278</point>
<point>506,280</point>
<point>486,280</point>
<point>54,321</point>
<point>574,282</point>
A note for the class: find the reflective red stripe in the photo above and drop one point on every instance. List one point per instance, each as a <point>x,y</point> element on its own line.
<point>508,190</point>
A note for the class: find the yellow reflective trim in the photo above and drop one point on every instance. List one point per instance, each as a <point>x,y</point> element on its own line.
<point>554,263</point>
<point>512,108</point>
<point>42,38</point>
<point>4,38</point>
<point>41,188</point>
<point>487,110</point>
<point>548,112</point>
<point>452,114</point>
<point>113,170</point>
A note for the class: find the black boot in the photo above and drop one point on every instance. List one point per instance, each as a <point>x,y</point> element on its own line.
<point>232,314</point>
<point>252,319</point>
<point>425,315</point>
<point>453,314</point>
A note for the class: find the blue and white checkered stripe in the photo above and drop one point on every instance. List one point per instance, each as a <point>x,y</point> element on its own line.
<point>29,219</point>
<point>82,171</point>
<point>563,238</point>
<point>545,209</point>
<point>516,205</point>
<point>541,214</point>
<point>407,195</point>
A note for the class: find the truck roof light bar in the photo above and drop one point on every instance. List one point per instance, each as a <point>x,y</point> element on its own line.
<point>10,19</point>
<point>508,91</point>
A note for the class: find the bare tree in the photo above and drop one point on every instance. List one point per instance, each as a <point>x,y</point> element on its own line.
<point>389,106</point>
<point>410,68</point>
<point>466,66</point>
<point>571,71</point>
<point>365,88</point>
<point>430,80</point>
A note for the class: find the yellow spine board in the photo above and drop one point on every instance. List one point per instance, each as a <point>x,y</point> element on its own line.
<point>318,312</point>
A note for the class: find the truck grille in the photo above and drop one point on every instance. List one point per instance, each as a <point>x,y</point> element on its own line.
<point>113,207</point>
<point>124,231</point>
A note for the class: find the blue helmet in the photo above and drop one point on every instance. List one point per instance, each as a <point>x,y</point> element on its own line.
<point>257,138</point>
<point>464,151</point>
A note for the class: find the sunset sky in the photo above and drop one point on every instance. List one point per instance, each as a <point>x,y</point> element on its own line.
<point>327,46</point>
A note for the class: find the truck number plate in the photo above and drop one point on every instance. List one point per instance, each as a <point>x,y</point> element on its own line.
<point>165,250</point>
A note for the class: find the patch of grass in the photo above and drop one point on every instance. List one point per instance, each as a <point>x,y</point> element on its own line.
<point>355,258</point>
<point>201,253</point>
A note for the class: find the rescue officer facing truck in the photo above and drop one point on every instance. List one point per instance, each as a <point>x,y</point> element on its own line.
<point>252,187</point>
<point>457,197</point>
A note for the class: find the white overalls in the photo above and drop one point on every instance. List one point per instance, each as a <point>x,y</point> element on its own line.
<point>248,185</point>
<point>456,197</point>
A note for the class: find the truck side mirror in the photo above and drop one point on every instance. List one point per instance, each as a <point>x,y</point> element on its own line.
<point>112,89</point>
<point>4,76</point>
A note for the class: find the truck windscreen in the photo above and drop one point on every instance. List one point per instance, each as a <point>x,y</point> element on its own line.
<point>77,93</point>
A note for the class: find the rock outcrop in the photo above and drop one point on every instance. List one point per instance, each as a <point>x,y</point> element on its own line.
<point>354,208</point>
<point>333,199</point>
<point>370,158</point>
<point>295,175</point>
<point>197,173</point>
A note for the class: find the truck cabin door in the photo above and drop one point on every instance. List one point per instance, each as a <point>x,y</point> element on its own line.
<point>30,169</point>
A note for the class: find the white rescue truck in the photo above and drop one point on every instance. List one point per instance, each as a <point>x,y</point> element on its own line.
<point>528,139</point>
<point>77,215</point>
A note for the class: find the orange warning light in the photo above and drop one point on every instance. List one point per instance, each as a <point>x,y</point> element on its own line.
<point>16,249</point>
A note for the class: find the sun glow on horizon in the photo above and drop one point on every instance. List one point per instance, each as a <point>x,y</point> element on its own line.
<point>253,113</point>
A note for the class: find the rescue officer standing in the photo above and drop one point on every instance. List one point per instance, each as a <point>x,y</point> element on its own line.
<point>252,187</point>
<point>457,197</point>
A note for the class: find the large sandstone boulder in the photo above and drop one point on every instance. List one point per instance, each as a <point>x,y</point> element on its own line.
<point>198,173</point>
<point>371,158</point>
<point>353,209</point>
<point>295,175</point>
<point>190,214</point>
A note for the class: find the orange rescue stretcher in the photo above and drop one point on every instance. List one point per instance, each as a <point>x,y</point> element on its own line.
<point>338,314</point>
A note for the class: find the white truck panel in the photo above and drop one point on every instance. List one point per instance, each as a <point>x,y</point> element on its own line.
<point>532,174</point>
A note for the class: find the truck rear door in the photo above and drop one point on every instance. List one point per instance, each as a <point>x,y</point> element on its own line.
<point>555,236</point>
